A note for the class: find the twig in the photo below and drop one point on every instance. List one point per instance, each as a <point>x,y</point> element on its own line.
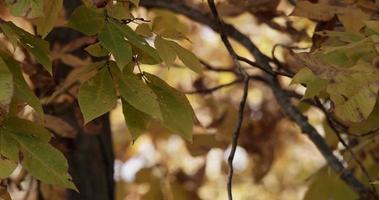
<point>236,134</point>
<point>213,89</point>
<point>246,79</point>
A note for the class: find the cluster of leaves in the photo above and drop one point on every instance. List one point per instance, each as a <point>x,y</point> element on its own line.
<point>144,96</point>
<point>344,67</point>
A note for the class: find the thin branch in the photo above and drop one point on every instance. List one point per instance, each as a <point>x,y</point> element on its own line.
<point>246,79</point>
<point>213,89</point>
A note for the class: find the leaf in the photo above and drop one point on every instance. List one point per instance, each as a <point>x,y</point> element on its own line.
<point>144,30</point>
<point>119,11</point>
<point>28,127</point>
<point>21,88</point>
<point>6,167</point>
<point>136,93</point>
<point>373,25</point>
<point>136,120</point>
<point>96,50</point>
<point>113,40</point>
<point>316,11</point>
<point>353,18</point>
<point>175,107</point>
<point>359,106</point>
<point>314,84</point>
<point>6,84</point>
<point>40,159</point>
<point>33,8</point>
<point>37,47</point>
<point>165,50</point>
<point>45,24</point>
<point>188,58</point>
<point>148,53</point>
<point>87,20</point>
<point>370,124</point>
<point>327,185</point>
<point>97,96</point>
<point>10,34</point>
<point>8,147</point>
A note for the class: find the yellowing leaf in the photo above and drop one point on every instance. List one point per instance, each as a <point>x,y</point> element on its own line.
<point>45,24</point>
<point>316,11</point>
<point>353,19</point>
<point>87,20</point>
<point>113,40</point>
<point>175,107</point>
<point>325,184</point>
<point>97,96</point>
<point>370,124</point>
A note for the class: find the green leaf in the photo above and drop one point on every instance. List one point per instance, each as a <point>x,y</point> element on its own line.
<point>6,84</point>
<point>165,50</point>
<point>10,34</point>
<point>175,108</point>
<point>149,54</point>
<point>33,8</point>
<point>144,30</point>
<point>45,24</point>
<point>136,120</point>
<point>96,50</point>
<point>8,147</point>
<point>87,20</point>
<point>40,159</point>
<point>136,93</point>
<point>97,96</point>
<point>188,58</point>
<point>28,127</point>
<point>21,88</point>
<point>37,47</point>
<point>6,167</point>
<point>113,40</point>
